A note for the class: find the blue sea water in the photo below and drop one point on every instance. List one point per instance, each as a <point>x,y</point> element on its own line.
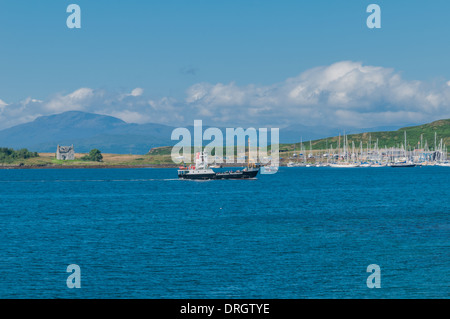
<point>300,233</point>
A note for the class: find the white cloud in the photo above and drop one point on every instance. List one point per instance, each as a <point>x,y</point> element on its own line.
<point>76,100</point>
<point>137,92</point>
<point>131,117</point>
<point>339,95</point>
<point>342,93</point>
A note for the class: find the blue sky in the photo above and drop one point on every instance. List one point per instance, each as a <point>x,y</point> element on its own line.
<point>210,59</point>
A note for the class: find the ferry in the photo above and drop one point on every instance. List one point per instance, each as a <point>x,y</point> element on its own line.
<point>201,170</point>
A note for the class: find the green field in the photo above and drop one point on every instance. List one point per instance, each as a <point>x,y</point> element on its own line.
<point>49,159</point>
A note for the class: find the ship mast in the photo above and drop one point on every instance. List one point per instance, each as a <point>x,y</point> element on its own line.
<point>339,151</point>
<point>248,158</point>
<point>406,154</point>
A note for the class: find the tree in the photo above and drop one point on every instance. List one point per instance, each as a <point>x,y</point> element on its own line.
<point>94,155</point>
<point>9,155</point>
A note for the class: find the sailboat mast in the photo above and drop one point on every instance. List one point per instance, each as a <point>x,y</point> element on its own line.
<point>406,154</point>
<point>339,148</point>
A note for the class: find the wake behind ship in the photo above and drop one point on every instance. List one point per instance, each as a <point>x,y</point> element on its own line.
<point>201,171</point>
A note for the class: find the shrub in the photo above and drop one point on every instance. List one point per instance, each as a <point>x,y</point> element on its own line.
<point>94,155</point>
<point>8,155</point>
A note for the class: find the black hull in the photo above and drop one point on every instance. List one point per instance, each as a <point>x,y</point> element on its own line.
<point>226,175</point>
<point>400,165</point>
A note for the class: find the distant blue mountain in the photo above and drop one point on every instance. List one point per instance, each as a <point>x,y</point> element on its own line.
<point>112,135</point>
<point>86,131</point>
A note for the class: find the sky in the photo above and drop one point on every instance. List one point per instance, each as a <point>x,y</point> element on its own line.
<point>229,63</point>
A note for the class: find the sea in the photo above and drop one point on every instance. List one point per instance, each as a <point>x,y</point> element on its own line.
<point>298,234</point>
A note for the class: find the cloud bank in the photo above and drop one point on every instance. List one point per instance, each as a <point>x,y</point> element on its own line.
<point>344,94</point>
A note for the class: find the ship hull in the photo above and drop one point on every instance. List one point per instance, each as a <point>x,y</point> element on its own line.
<point>403,165</point>
<point>344,165</point>
<point>237,175</point>
<point>197,176</point>
<point>222,175</point>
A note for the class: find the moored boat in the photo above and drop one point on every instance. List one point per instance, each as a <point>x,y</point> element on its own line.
<point>403,164</point>
<point>444,164</point>
<point>344,165</point>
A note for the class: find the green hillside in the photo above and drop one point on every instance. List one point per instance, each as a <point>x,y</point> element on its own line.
<point>388,138</point>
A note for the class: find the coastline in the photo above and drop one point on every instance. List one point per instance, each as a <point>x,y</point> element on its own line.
<point>84,166</point>
<point>48,161</point>
<point>56,166</point>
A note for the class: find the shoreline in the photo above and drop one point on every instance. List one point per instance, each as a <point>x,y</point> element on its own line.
<point>84,166</point>
<point>56,166</point>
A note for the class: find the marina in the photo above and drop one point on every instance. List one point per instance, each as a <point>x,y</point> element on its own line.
<point>347,155</point>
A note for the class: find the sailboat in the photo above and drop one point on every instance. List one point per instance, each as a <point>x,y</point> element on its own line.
<point>344,164</point>
<point>406,163</point>
<point>444,164</point>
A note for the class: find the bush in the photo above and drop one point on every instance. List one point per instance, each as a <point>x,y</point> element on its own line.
<point>9,155</point>
<point>94,155</point>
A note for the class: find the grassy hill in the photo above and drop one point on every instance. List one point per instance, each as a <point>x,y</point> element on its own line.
<point>388,138</point>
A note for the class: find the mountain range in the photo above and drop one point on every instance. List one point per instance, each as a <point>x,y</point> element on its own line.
<point>112,135</point>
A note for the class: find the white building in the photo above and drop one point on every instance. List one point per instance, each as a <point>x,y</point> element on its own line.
<point>65,153</point>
